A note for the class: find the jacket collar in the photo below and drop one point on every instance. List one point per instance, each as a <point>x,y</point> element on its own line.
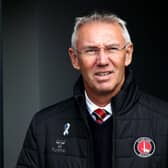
<point>122,102</point>
<point>128,95</point>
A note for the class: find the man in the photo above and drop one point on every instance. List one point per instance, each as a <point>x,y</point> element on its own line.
<point>109,122</point>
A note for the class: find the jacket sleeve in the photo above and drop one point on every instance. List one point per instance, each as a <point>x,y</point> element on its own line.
<point>29,155</point>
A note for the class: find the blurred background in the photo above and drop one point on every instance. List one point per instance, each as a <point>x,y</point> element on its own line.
<point>35,67</point>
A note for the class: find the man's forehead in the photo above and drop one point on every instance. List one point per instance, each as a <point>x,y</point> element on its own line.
<point>99,30</point>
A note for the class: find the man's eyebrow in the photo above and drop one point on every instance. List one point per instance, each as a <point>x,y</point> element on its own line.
<point>112,45</point>
<point>106,45</point>
<point>90,46</point>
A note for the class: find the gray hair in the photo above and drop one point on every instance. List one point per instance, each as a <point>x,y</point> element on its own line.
<point>108,18</point>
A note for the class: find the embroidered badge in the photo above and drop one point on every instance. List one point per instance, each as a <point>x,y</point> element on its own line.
<point>66,129</point>
<point>144,147</point>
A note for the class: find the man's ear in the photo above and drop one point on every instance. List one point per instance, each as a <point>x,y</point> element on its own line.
<point>129,54</point>
<point>74,58</point>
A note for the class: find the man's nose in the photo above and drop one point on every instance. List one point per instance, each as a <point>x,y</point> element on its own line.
<point>102,57</point>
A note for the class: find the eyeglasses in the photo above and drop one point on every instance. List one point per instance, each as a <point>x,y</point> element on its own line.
<point>108,50</point>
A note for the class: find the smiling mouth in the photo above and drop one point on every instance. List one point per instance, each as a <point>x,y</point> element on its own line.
<point>103,73</point>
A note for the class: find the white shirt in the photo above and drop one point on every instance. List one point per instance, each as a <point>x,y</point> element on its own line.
<point>91,107</point>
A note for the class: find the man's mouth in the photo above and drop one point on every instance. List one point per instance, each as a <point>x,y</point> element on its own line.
<point>103,73</point>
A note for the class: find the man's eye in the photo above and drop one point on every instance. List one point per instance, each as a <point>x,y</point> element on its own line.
<point>112,49</point>
<point>91,51</point>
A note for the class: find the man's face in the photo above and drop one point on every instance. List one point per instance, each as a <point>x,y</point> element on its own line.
<point>101,65</point>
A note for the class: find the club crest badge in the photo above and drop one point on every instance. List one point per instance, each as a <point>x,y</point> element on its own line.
<point>144,147</point>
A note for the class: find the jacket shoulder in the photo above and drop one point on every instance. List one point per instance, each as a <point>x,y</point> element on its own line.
<point>154,104</point>
<point>59,110</point>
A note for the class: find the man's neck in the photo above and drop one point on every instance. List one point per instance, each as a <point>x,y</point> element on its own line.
<point>100,100</point>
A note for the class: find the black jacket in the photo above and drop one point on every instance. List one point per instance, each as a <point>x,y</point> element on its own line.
<point>59,136</point>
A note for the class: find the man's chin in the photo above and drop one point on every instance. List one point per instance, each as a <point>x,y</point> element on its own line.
<point>104,91</point>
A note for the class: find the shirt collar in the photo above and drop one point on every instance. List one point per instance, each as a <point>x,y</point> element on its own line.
<point>92,107</point>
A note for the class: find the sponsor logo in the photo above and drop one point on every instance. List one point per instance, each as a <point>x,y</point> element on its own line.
<point>60,146</point>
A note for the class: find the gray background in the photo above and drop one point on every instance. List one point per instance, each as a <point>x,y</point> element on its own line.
<point>36,66</point>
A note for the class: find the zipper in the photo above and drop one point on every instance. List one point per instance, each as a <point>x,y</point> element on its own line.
<point>90,158</point>
<point>114,142</point>
<point>90,152</point>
